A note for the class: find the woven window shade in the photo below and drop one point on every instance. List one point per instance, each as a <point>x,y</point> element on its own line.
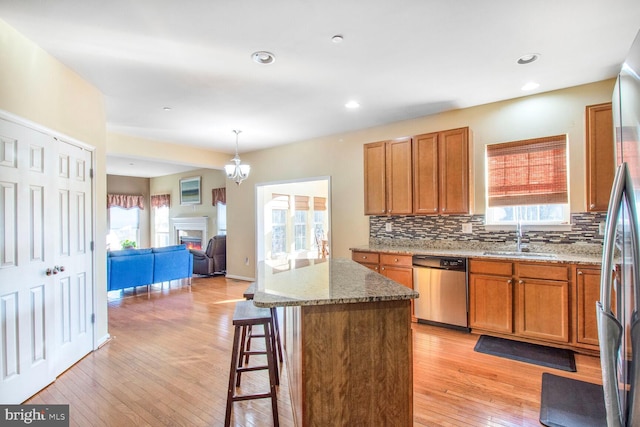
<point>279,201</point>
<point>302,203</point>
<point>319,203</point>
<point>530,172</point>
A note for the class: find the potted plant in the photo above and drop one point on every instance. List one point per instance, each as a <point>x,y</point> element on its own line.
<point>128,244</point>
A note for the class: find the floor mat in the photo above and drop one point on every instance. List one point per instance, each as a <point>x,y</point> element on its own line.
<point>550,357</point>
<point>566,402</point>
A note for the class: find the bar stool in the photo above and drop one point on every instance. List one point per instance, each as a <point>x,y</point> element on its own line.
<point>246,338</point>
<point>246,315</point>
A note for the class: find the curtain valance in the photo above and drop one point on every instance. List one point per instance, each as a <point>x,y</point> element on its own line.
<point>161,201</point>
<point>219,195</point>
<point>125,201</point>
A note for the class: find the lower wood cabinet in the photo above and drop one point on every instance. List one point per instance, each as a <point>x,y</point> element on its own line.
<point>527,300</point>
<point>491,296</point>
<point>542,301</point>
<point>368,259</point>
<point>588,293</point>
<point>396,267</point>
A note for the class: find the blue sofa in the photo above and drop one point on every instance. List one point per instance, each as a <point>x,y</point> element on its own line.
<point>139,267</point>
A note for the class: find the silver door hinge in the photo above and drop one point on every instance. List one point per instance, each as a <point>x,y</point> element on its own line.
<point>91,246</point>
<point>93,318</point>
<point>91,173</point>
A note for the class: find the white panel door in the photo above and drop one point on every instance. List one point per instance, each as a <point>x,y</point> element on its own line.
<point>40,307</point>
<point>73,297</point>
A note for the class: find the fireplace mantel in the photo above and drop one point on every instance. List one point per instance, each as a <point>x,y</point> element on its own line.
<point>189,224</point>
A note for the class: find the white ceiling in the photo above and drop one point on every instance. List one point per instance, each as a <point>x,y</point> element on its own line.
<point>399,59</point>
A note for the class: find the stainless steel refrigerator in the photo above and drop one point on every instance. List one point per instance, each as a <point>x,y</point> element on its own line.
<point>617,310</point>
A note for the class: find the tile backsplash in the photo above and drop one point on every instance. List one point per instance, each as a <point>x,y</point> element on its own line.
<point>441,230</point>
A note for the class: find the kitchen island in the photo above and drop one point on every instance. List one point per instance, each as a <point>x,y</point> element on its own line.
<point>347,337</point>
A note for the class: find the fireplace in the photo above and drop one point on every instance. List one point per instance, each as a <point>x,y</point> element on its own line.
<point>191,242</point>
<point>191,231</point>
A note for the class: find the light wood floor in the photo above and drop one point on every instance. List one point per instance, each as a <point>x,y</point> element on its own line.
<point>167,364</point>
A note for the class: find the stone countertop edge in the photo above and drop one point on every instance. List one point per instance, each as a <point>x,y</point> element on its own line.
<point>336,281</point>
<point>574,258</point>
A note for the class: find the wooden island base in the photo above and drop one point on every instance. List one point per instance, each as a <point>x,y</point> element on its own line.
<point>350,364</point>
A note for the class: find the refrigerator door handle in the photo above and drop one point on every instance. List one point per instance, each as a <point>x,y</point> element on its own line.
<point>609,329</point>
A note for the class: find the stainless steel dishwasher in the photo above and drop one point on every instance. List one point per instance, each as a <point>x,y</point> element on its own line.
<point>442,284</point>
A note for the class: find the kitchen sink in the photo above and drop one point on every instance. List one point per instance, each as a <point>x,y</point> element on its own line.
<point>521,254</point>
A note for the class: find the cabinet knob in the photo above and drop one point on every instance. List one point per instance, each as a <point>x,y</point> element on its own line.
<point>509,282</point>
<point>579,272</point>
<point>395,260</point>
<point>521,282</point>
<point>382,268</point>
<point>435,209</point>
<point>592,205</point>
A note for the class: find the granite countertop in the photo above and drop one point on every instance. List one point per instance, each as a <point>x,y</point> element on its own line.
<point>324,281</point>
<point>576,254</point>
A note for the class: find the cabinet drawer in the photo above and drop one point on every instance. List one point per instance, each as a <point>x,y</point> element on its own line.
<point>543,271</point>
<point>399,260</point>
<point>497,268</point>
<point>365,257</point>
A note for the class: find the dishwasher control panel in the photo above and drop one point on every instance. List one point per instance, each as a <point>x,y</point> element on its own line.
<point>447,263</point>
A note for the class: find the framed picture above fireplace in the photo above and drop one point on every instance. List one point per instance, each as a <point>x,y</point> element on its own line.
<point>190,191</point>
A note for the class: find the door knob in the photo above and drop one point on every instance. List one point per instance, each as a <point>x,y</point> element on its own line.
<point>55,270</point>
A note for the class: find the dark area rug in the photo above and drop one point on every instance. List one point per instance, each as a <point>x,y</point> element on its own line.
<point>566,402</point>
<point>550,357</point>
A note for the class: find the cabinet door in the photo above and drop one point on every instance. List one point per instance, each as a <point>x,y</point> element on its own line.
<point>491,303</point>
<point>425,174</point>
<point>402,275</point>
<point>543,309</point>
<point>375,178</point>
<point>368,259</point>
<point>588,288</point>
<point>399,177</point>
<point>453,152</point>
<point>600,156</point>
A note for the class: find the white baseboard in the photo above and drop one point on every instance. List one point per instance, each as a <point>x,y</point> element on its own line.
<point>248,279</point>
<point>102,341</point>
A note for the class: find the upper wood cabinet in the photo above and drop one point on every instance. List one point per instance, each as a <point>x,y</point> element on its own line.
<point>441,172</point>
<point>388,187</point>
<point>600,156</point>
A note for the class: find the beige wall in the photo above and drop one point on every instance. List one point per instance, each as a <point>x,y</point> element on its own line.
<point>210,179</point>
<point>36,87</point>
<point>340,156</point>
<point>135,147</point>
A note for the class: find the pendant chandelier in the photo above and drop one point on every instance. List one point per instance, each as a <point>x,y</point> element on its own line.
<point>236,171</point>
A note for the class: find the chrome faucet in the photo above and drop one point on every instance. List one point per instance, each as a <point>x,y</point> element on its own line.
<point>519,233</point>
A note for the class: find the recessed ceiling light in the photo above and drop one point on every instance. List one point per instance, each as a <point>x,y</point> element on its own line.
<point>337,39</point>
<point>166,108</point>
<point>528,58</point>
<point>530,86</point>
<point>352,105</point>
<point>263,57</point>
